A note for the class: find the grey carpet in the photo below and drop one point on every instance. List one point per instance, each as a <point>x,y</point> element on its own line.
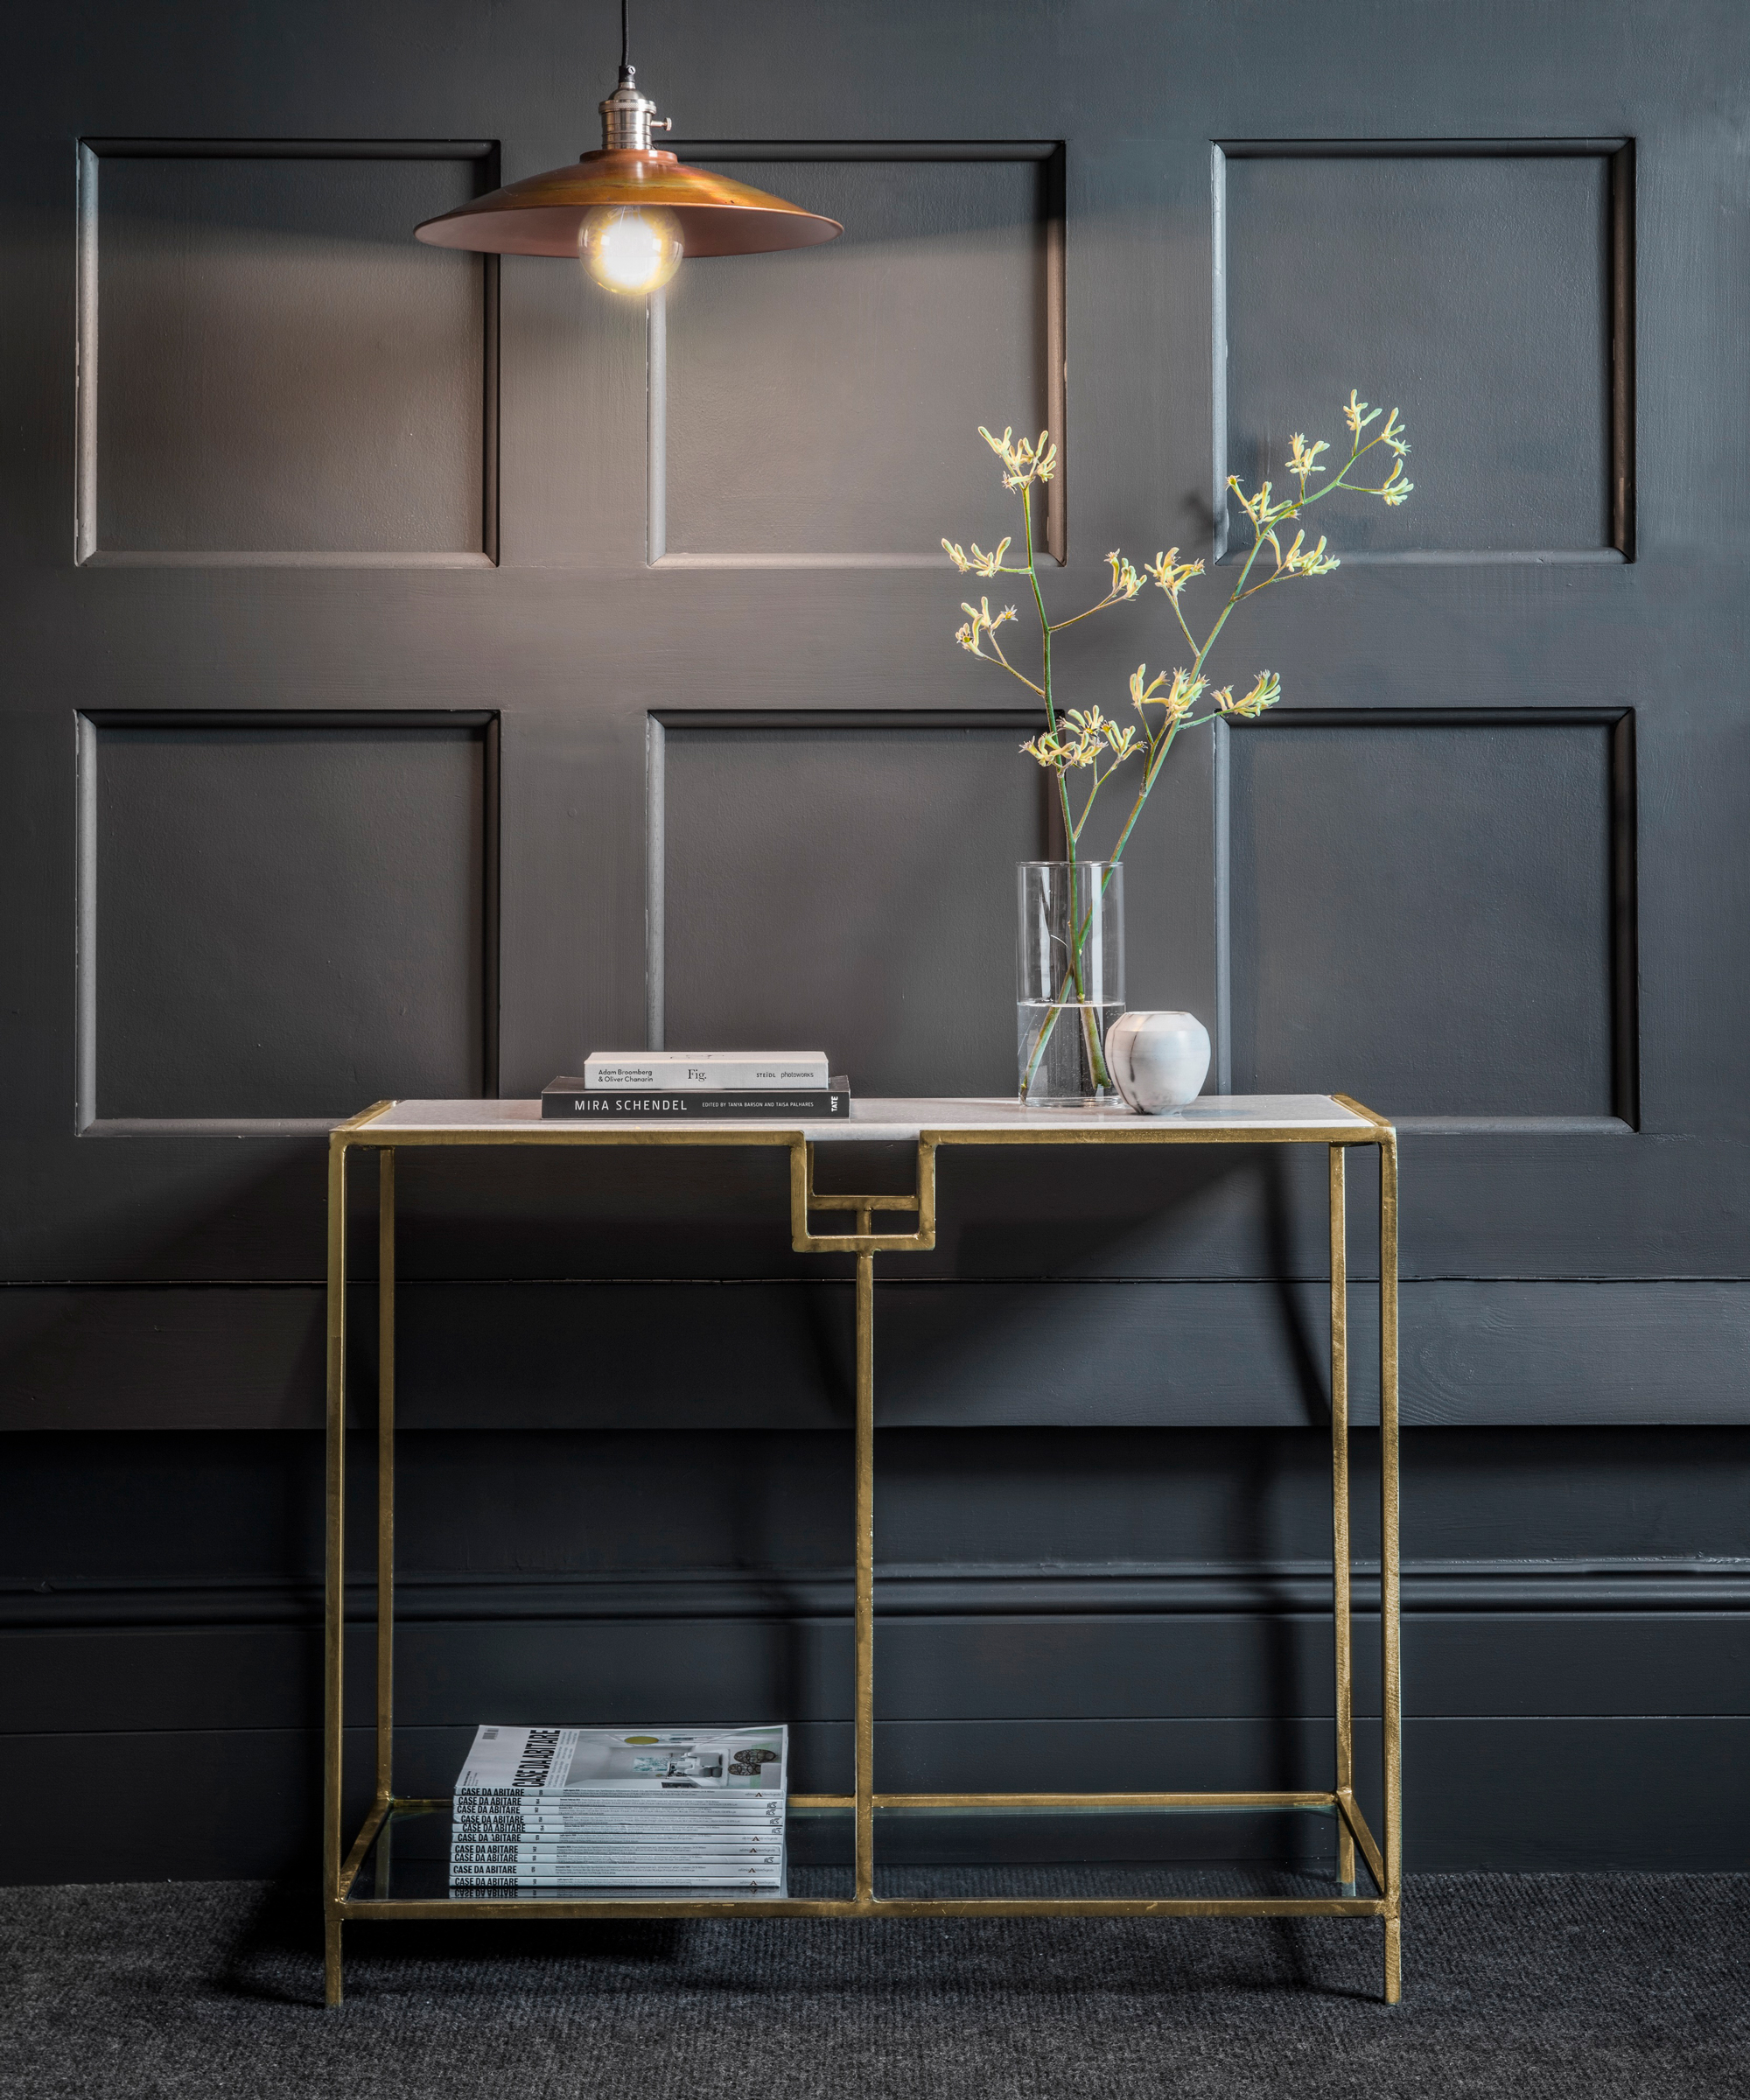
<point>1546,1985</point>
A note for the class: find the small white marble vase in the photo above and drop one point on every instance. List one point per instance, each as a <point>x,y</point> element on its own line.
<point>1158,1060</point>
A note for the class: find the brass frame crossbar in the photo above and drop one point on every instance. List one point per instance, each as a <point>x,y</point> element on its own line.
<point>1383,1859</point>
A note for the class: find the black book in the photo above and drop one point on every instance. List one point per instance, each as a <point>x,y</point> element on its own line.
<point>569,1098</point>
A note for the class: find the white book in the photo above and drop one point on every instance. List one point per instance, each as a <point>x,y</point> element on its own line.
<point>548,1767</point>
<point>480,1809</point>
<point>474,1813</point>
<point>589,1868</point>
<point>588,1855</point>
<point>679,1828</point>
<point>672,1804</point>
<point>571,1833</point>
<point>658,1842</point>
<point>675,1873</point>
<point>726,1842</point>
<point>768,1882</point>
<point>559,1805</point>
<point>705,1803</point>
<point>626,1841</point>
<point>681,1071</point>
<point>622,1870</point>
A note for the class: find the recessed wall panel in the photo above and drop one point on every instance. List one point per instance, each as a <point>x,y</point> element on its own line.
<point>272,365</point>
<point>827,402</point>
<point>851,890</point>
<point>1475,291</point>
<point>1429,914</point>
<point>289,919</point>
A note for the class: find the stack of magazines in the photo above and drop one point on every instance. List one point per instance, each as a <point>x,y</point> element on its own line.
<point>639,1808</point>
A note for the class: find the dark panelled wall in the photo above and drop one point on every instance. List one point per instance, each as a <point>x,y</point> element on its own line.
<point>421,671</point>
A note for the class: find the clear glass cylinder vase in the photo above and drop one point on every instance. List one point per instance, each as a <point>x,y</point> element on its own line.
<point>1069,978</point>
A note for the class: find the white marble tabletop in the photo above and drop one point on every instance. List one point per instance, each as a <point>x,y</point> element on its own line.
<point>877,1121</point>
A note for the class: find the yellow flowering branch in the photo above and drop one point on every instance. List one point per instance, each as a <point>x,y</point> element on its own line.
<point>1086,740</point>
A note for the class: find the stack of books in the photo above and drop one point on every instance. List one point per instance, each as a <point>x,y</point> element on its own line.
<point>626,1809</point>
<point>668,1083</point>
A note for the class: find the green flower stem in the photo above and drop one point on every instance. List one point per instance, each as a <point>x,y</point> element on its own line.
<point>1097,1057</point>
<point>1158,750</point>
<point>1075,971</point>
<point>1044,674</point>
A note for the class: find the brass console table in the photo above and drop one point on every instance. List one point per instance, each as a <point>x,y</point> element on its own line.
<point>1333,1121</point>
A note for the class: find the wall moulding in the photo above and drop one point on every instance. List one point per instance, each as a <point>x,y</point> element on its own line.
<point>278,910</point>
<point>1512,261</point>
<point>1572,964</point>
<point>863,846</point>
<point>1166,1589</point>
<point>235,295</point>
<point>960,259</point>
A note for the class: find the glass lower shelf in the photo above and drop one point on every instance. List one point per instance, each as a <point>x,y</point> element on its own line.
<point>958,1855</point>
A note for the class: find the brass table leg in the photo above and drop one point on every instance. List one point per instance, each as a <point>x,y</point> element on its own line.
<point>334,1603</point>
<point>1391,1694</point>
<point>385,1772</point>
<point>864,1244</point>
<point>1340,1512</point>
<point>865,1633</point>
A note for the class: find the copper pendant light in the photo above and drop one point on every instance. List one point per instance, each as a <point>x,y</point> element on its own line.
<point>630,212</point>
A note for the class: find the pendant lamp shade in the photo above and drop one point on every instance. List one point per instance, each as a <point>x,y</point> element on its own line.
<point>543,214</point>
<point>630,212</point>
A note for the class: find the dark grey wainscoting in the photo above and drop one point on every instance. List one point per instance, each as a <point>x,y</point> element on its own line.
<point>1481,1198</point>
<point>756,1354</point>
<point>1581,1793</point>
<point>1122,1606</point>
<point>241,1514</point>
<point>474,670</point>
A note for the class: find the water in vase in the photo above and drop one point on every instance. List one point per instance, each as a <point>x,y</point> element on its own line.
<point>1058,1052</point>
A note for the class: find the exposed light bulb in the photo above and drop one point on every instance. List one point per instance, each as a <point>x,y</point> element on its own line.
<point>628,248</point>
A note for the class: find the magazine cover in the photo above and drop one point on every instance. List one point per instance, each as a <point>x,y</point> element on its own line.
<point>634,1761</point>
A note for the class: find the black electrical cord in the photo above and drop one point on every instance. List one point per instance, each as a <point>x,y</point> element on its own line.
<point>625,39</point>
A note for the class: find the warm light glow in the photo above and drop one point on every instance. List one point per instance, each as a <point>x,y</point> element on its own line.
<point>625,248</point>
